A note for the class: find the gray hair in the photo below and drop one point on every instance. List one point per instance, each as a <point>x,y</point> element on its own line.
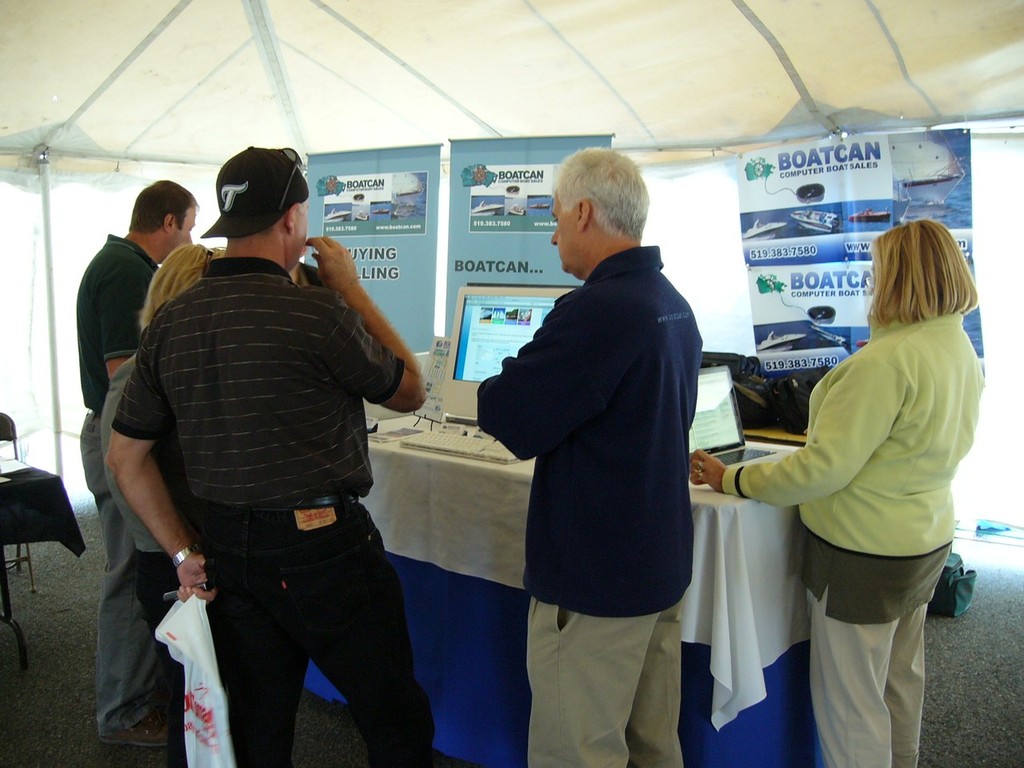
<point>612,183</point>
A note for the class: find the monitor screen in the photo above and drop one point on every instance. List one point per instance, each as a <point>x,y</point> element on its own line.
<point>489,324</point>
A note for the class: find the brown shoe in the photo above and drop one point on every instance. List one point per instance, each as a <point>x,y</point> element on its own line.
<point>150,731</point>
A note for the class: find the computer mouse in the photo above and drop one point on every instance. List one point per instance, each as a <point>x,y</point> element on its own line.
<point>810,193</point>
<point>821,314</point>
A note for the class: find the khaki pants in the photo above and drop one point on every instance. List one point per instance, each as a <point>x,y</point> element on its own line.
<point>605,690</point>
<point>867,688</point>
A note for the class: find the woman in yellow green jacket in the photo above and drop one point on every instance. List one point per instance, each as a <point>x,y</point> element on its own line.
<point>888,427</point>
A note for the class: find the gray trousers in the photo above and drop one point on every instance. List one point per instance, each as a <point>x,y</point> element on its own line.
<point>127,669</point>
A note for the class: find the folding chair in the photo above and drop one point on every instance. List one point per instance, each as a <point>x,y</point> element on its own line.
<point>9,434</point>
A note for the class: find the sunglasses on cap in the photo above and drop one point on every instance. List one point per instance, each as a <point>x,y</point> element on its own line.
<point>297,165</point>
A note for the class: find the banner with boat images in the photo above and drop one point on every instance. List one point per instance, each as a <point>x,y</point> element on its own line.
<point>808,215</point>
<point>382,205</point>
<point>500,211</point>
<point>510,198</point>
<point>374,203</point>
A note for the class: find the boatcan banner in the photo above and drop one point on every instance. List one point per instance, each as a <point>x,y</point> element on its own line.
<point>510,198</point>
<point>809,214</point>
<point>382,206</point>
<point>374,204</point>
<point>500,212</point>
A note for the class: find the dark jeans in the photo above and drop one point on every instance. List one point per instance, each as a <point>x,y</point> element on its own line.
<point>329,594</point>
<point>154,575</point>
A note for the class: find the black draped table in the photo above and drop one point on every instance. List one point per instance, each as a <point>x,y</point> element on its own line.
<point>33,507</point>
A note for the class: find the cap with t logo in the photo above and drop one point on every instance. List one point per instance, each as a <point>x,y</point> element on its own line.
<point>255,188</point>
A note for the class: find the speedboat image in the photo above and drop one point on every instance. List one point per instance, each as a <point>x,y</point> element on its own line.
<point>405,185</point>
<point>540,206</point>
<point>869,215</point>
<point>486,209</point>
<point>766,231</point>
<point>337,215</point>
<point>834,338</point>
<point>818,221</point>
<point>516,210</point>
<point>923,171</point>
<point>362,216</point>
<point>779,343</point>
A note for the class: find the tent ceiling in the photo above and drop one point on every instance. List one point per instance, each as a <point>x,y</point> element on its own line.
<point>198,80</point>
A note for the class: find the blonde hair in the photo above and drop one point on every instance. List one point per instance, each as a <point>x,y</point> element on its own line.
<point>920,273</point>
<point>179,271</point>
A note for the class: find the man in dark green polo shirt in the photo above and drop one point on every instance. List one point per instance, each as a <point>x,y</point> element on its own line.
<point>110,297</point>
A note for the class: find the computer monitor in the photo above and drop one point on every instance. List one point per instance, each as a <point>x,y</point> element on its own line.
<point>489,323</point>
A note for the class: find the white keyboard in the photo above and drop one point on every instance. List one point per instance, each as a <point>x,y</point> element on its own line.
<point>483,448</point>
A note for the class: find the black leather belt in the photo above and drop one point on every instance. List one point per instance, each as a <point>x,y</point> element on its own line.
<point>335,500</point>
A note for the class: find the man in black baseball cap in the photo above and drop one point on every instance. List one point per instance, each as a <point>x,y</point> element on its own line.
<point>265,382</point>
<point>255,188</point>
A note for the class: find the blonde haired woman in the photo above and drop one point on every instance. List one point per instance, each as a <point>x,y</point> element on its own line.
<point>155,574</point>
<point>888,428</point>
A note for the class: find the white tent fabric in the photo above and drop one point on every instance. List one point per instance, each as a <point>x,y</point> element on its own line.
<point>171,88</point>
<point>197,80</point>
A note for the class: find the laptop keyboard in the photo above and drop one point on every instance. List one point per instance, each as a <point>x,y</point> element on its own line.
<point>741,454</point>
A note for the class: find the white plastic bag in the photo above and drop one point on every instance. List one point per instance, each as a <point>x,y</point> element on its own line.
<point>186,632</point>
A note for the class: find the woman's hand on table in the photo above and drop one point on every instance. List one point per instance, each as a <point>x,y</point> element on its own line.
<point>706,470</point>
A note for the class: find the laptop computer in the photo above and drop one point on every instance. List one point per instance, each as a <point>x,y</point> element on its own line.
<point>717,428</point>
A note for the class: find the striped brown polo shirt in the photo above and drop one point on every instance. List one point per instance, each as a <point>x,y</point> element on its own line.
<point>265,382</point>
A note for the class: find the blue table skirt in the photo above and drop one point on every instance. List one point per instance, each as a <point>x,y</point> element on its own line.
<point>469,644</point>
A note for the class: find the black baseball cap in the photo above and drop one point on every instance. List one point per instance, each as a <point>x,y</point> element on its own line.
<point>255,188</point>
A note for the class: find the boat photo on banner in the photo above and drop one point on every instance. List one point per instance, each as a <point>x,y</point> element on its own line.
<point>500,211</point>
<point>809,213</point>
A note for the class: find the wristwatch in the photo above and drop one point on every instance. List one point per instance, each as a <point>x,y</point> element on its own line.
<point>180,555</point>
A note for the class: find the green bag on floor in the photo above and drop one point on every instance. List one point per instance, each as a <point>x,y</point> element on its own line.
<point>955,589</point>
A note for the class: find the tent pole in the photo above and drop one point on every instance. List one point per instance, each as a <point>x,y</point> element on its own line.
<point>42,157</point>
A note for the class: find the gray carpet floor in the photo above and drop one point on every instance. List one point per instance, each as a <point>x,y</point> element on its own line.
<point>974,711</point>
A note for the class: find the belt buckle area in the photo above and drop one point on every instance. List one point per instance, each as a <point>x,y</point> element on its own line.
<point>325,501</point>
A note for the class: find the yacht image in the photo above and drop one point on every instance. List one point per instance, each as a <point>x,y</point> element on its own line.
<point>516,210</point>
<point>362,216</point>
<point>766,231</point>
<point>834,338</point>
<point>540,206</point>
<point>337,215</point>
<point>486,209</point>
<point>818,221</point>
<point>779,343</point>
<point>406,184</point>
<point>869,215</point>
<point>924,171</point>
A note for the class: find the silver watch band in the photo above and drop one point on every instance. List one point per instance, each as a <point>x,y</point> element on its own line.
<point>179,556</point>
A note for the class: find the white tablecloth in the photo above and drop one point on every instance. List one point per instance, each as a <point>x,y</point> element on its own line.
<point>469,517</point>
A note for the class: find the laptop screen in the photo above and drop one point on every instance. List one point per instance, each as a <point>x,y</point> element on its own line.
<point>716,424</point>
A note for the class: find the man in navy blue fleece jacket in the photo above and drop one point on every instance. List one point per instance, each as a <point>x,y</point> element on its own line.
<point>604,396</point>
